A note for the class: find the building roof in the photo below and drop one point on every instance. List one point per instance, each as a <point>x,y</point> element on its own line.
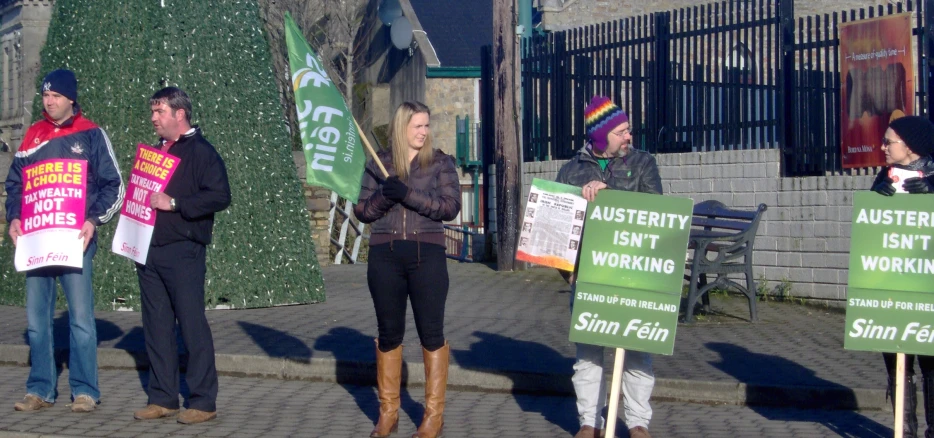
<point>457,29</point>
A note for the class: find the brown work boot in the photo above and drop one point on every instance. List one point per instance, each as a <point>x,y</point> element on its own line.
<point>586,432</point>
<point>639,432</point>
<point>31,403</point>
<point>194,416</point>
<point>152,412</point>
<point>83,403</point>
<point>436,382</point>
<point>388,380</point>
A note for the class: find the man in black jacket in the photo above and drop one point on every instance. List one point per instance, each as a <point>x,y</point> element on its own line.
<point>172,280</point>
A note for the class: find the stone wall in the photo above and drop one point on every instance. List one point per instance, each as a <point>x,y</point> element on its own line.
<point>318,202</point>
<point>23,28</point>
<point>567,14</point>
<point>804,238</point>
<point>448,99</point>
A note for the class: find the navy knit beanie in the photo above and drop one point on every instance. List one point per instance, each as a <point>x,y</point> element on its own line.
<point>62,82</point>
<point>917,132</point>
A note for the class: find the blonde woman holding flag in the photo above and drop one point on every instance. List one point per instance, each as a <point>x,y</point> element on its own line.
<point>407,260</point>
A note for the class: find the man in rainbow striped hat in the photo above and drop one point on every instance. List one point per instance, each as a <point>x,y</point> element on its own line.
<point>608,161</point>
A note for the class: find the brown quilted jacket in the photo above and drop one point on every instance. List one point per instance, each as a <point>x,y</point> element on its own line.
<point>434,196</point>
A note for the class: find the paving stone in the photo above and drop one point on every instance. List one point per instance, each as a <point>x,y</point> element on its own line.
<point>351,410</point>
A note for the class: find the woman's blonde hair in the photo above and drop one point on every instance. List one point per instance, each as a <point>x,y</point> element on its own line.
<point>400,144</point>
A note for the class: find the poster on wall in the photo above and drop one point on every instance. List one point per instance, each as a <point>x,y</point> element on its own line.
<point>877,85</point>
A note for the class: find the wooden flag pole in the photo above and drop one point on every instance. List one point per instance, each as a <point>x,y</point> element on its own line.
<point>899,394</point>
<point>614,392</point>
<point>370,148</point>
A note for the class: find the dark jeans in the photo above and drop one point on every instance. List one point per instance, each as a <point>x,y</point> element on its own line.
<point>172,289</point>
<point>926,363</point>
<point>417,271</point>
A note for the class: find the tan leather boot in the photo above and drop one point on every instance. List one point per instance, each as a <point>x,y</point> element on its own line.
<point>388,380</point>
<point>436,382</point>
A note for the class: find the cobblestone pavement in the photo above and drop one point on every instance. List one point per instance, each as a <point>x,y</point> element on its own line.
<point>507,323</point>
<point>255,407</point>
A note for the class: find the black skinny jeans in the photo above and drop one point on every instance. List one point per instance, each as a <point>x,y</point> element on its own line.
<point>925,362</point>
<point>417,271</point>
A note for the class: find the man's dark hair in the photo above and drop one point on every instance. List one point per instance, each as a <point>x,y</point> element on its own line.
<point>175,98</point>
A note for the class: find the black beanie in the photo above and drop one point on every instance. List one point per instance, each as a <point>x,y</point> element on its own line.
<point>62,82</point>
<point>917,132</point>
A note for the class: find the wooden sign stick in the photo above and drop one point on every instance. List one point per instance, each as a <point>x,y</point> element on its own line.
<point>614,392</point>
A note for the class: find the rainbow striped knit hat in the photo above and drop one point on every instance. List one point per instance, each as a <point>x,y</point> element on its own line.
<point>601,117</point>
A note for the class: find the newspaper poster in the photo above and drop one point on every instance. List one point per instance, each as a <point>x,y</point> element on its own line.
<point>151,172</point>
<point>552,225</point>
<point>54,199</point>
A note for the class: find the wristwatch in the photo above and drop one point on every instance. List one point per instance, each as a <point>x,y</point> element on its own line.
<point>172,203</point>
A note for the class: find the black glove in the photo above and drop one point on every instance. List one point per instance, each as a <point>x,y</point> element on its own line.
<point>883,184</point>
<point>395,189</point>
<point>918,185</point>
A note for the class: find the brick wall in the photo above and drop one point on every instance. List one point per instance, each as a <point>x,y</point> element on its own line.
<point>804,238</point>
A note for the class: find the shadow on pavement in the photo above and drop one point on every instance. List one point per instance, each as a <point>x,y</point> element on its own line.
<point>811,393</point>
<point>61,332</point>
<point>496,354</point>
<point>134,343</point>
<point>276,343</point>
<point>355,357</point>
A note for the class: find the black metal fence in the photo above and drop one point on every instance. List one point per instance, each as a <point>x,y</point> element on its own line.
<point>738,74</point>
<point>815,108</point>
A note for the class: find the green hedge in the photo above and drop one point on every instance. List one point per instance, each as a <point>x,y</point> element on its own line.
<point>122,52</point>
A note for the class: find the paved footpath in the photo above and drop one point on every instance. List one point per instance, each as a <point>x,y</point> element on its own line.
<point>508,332</point>
<point>256,407</point>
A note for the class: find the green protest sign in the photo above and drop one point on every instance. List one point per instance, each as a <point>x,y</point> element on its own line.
<point>890,298</point>
<point>633,319</point>
<point>631,270</point>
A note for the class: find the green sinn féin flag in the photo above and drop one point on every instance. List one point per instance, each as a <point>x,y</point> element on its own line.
<point>334,155</point>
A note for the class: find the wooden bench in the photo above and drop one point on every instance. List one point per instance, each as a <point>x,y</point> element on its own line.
<point>729,236</point>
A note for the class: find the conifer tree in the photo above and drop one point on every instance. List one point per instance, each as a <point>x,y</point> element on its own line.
<point>124,51</point>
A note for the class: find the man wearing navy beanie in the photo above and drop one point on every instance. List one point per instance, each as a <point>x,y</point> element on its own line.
<point>62,82</point>
<point>63,133</point>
